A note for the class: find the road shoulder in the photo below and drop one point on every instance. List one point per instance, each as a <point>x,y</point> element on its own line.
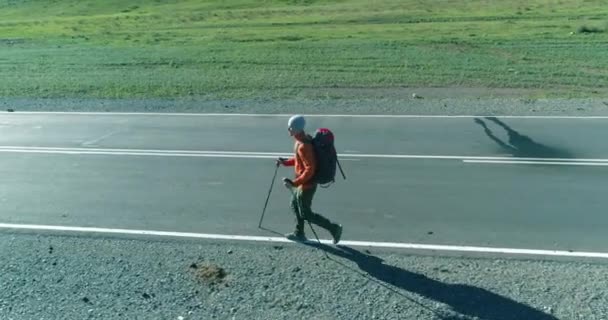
<point>71,276</point>
<point>429,102</point>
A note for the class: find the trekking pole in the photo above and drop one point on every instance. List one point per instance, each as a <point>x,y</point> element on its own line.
<point>268,197</point>
<point>314,232</point>
<point>340,167</point>
<point>319,241</point>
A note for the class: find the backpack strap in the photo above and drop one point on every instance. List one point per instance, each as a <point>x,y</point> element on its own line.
<point>308,140</point>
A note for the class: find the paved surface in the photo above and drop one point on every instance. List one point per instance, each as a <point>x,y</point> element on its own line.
<point>580,138</point>
<point>440,201</point>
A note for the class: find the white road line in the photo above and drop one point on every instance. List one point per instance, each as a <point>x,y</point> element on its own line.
<point>394,245</point>
<point>268,155</point>
<point>136,150</point>
<point>289,115</point>
<point>155,154</point>
<point>555,163</point>
<point>143,152</point>
<point>469,158</point>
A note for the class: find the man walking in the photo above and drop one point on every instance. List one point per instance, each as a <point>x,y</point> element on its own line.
<point>304,185</point>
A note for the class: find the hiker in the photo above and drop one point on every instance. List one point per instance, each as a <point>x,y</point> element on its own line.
<point>305,165</point>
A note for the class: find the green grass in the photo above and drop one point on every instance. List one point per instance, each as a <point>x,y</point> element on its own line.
<point>281,48</point>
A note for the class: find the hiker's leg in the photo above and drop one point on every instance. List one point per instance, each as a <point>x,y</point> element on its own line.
<point>296,211</point>
<point>305,197</point>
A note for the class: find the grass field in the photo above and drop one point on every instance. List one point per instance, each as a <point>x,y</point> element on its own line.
<point>283,48</point>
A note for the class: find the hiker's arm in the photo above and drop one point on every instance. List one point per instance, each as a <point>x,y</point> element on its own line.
<point>288,162</point>
<point>306,153</point>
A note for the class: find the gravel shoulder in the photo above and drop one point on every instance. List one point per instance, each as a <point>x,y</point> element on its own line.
<point>51,276</point>
<point>427,101</point>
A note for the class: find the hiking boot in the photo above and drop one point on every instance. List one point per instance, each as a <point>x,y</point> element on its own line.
<point>337,233</point>
<point>296,236</point>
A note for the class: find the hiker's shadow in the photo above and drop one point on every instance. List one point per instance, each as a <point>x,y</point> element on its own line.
<point>521,145</point>
<point>465,299</point>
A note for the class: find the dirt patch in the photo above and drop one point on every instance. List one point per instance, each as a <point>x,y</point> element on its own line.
<point>209,273</point>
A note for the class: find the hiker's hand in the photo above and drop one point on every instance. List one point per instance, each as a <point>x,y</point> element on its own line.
<point>288,183</point>
<point>281,161</point>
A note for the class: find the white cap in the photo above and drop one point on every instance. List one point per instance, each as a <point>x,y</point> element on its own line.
<point>296,123</point>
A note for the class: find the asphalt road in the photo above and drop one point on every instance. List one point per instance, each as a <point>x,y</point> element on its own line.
<point>159,173</point>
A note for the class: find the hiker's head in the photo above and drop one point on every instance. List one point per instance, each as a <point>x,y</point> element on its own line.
<point>296,125</point>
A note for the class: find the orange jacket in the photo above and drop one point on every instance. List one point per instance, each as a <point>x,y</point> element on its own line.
<point>304,162</point>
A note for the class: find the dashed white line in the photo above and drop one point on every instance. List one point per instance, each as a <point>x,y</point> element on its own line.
<point>93,142</point>
<point>393,245</point>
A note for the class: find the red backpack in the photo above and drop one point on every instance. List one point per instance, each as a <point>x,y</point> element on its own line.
<point>326,157</point>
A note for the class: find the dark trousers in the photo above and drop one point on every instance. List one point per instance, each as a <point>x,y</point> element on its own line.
<point>301,202</point>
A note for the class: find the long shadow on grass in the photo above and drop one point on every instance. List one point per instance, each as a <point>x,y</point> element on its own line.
<point>464,299</point>
<point>521,145</point>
